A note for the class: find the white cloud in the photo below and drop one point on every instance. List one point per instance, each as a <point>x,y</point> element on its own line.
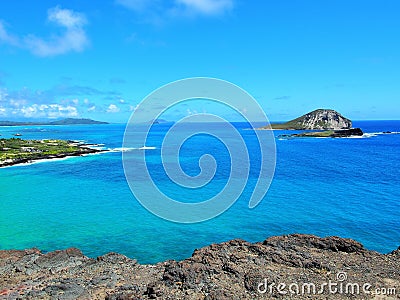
<point>3,94</point>
<point>207,7</point>
<point>138,5</point>
<point>2,111</point>
<point>29,111</point>
<point>155,10</point>
<point>50,111</point>
<point>133,107</point>
<point>57,111</point>
<point>65,17</point>
<point>17,102</point>
<point>112,108</point>
<point>74,38</point>
<point>92,108</point>
<point>191,111</point>
<point>5,37</point>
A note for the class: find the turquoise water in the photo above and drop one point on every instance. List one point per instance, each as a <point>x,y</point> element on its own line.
<point>348,187</point>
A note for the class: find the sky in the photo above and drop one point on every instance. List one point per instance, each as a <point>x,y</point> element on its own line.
<point>99,59</point>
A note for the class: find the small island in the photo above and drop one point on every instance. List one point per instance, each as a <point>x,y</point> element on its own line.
<point>319,119</point>
<point>18,151</point>
<point>322,122</point>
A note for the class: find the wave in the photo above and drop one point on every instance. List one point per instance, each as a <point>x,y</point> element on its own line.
<point>373,134</point>
<point>124,149</point>
<point>364,136</point>
<point>369,135</point>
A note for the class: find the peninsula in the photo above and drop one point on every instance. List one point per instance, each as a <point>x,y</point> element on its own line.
<point>17,151</point>
<point>68,121</point>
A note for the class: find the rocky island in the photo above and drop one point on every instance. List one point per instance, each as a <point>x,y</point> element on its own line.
<point>319,119</point>
<point>17,151</point>
<point>293,266</point>
<point>322,122</point>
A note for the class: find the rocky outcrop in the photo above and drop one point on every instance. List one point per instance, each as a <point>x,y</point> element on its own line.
<point>320,119</point>
<point>233,270</point>
<point>347,132</point>
<point>327,133</point>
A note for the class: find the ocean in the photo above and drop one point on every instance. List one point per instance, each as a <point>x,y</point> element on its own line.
<point>348,187</point>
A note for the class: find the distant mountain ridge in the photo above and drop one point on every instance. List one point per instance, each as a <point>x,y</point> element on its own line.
<point>68,121</point>
<point>319,119</point>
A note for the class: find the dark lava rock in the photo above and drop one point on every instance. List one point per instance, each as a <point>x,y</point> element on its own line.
<point>231,270</point>
<point>347,132</point>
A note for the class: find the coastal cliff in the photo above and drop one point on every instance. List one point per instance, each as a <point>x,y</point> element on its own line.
<point>320,119</point>
<point>232,270</point>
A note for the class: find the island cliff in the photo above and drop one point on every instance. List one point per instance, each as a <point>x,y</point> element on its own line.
<point>320,119</point>
<point>232,270</point>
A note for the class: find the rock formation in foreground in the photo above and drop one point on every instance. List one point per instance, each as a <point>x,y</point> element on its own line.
<point>276,268</point>
<point>320,119</point>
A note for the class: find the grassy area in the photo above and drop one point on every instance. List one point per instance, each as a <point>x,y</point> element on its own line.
<point>16,149</point>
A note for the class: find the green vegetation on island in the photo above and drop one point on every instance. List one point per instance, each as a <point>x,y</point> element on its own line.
<point>327,133</point>
<point>323,122</point>
<point>15,150</point>
<point>68,121</point>
<point>319,119</point>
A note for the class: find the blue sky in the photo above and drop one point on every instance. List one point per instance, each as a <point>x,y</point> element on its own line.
<point>99,59</point>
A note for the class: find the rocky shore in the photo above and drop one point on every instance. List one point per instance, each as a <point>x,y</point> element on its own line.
<point>292,266</point>
<point>353,132</point>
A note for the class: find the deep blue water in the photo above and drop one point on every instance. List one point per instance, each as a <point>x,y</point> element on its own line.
<point>348,187</point>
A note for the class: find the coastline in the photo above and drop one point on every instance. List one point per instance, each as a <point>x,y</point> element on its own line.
<point>231,270</point>
<point>47,158</point>
<point>52,159</point>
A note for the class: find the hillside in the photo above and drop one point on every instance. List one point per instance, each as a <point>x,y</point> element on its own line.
<point>320,119</point>
<point>68,121</point>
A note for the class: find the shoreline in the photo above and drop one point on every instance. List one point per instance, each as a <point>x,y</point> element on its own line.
<point>230,270</point>
<point>48,158</point>
<point>60,157</point>
<point>53,159</point>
